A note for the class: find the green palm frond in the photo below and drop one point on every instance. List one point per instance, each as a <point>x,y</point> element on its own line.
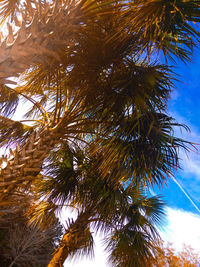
<point>144,147</point>
<point>129,87</point>
<point>61,177</point>
<point>134,242</point>
<point>168,26</point>
<point>129,248</point>
<point>71,179</point>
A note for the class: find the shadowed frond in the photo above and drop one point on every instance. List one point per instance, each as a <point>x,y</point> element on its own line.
<point>144,147</point>
<point>9,100</point>
<point>13,132</point>
<point>134,243</point>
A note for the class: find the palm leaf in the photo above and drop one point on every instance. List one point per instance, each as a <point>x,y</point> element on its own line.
<point>134,243</point>
<point>13,132</point>
<point>166,25</point>
<point>144,147</point>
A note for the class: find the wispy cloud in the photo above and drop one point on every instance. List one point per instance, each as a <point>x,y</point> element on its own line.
<point>187,195</point>
<point>189,175</point>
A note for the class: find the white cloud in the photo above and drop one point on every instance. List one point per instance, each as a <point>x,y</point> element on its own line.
<point>183,228</point>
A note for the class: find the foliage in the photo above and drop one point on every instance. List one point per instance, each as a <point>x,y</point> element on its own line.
<point>126,215</point>
<point>99,133</point>
<point>20,243</point>
<point>169,257</point>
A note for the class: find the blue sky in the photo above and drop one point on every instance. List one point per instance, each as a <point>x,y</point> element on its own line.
<point>184,106</point>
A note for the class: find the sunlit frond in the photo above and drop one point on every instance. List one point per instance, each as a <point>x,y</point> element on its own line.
<point>167,26</point>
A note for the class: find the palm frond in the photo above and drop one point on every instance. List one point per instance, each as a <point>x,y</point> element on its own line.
<point>134,243</point>
<point>41,214</point>
<point>13,132</point>
<point>144,146</point>
<point>129,87</point>
<point>165,25</point>
<point>11,10</point>
<point>9,100</point>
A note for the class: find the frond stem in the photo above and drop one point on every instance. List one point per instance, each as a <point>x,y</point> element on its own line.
<point>41,109</point>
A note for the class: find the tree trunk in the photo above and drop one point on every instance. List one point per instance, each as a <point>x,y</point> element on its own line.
<point>36,42</point>
<point>26,162</point>
<point>76,237</point>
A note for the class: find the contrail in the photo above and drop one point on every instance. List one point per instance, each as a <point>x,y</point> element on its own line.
<point>182,189</point>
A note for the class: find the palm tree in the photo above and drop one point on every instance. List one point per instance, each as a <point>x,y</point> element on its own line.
<point>165,25</point>
<point>127,215</point>
<point>85,68</point>
<point>61,81</point>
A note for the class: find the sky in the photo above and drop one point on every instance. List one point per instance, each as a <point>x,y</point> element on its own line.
<point>181,195</point>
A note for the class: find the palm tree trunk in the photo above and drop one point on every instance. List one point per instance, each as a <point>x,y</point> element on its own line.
<point>35,42</point>
<point>76,237</point>
<point>26,161</point>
